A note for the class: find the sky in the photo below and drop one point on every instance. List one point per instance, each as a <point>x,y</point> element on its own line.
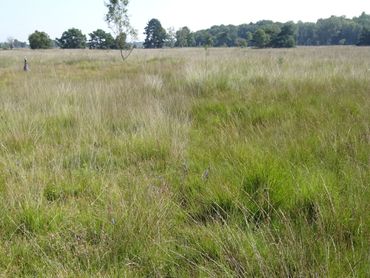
<point>20,18</point>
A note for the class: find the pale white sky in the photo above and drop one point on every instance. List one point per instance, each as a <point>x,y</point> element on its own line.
<point>19,18</point>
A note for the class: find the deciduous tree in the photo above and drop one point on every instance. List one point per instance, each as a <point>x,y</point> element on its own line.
<point>260,38</point>
<point>100,39</point>
<point>364,37</point>
<point>119,22</point>
<point>184,38</point>
<point>286,37</point>
<point>72,38</point>
<point>40,40</point>
<point>170,38</point>
<point>10,42</point>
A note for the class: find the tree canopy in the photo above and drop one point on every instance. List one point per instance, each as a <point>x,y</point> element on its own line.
<point>119,22</point>
<point>286,37</point>
<point>260,38</point>
<point>335,30</point>
<point>330,31</point>
<point>155,34</point>
<point>184,38</point>
<point>100,39</point>
<point>40,40</point>
<point>72,38</point>
<point>364,37</point>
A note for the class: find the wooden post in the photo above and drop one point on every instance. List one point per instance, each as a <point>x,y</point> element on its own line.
<point>26,67</point>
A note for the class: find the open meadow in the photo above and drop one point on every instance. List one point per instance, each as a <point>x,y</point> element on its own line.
<point>185,163</point>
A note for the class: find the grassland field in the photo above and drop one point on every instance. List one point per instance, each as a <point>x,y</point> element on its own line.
<point>185,163</point>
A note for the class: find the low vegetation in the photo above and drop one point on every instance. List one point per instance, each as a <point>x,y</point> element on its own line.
<point>185,162</point>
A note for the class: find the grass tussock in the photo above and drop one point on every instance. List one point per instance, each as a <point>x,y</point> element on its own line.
<point>177,163</point>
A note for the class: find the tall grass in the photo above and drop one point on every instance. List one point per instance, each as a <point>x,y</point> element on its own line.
<point>229,162</point>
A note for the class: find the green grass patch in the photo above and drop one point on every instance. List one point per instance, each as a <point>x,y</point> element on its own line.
<point>178,163</point>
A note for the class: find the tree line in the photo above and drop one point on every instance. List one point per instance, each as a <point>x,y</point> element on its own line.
<point>335,30</point>
<point>265,33</point>
<point>74,39</point>
<point>330,31</point>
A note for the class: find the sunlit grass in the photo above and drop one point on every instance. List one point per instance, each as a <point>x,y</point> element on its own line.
<point>186,162</point>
